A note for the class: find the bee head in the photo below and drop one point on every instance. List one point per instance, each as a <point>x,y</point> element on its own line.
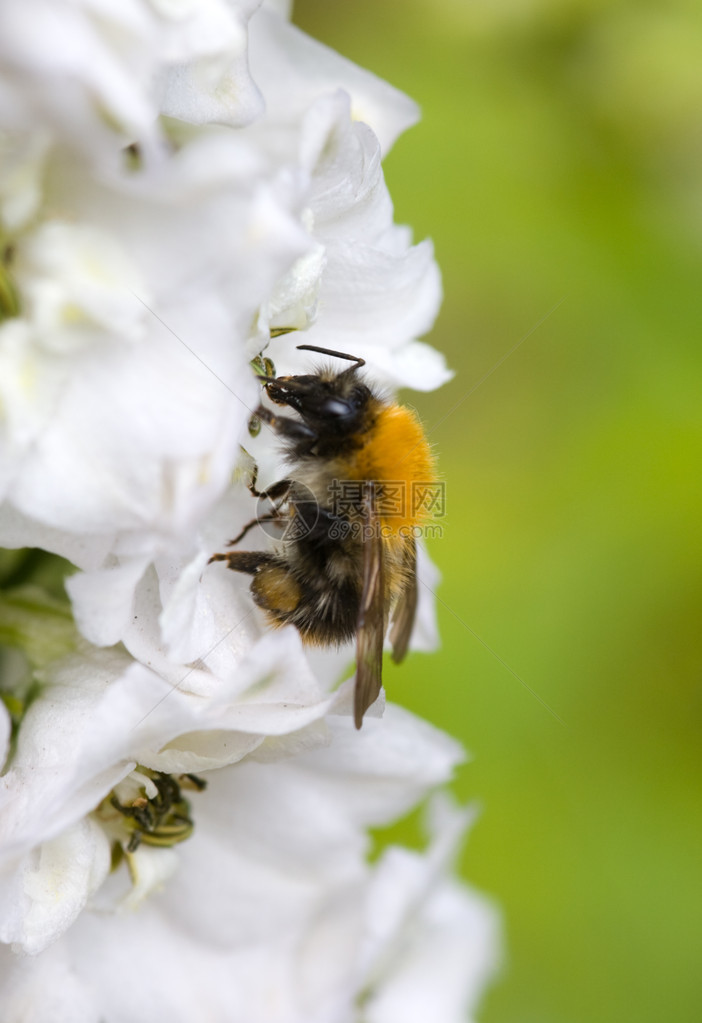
<point>328,401</point>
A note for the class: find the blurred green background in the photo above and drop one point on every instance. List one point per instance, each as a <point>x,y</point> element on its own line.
<point>559,160</point>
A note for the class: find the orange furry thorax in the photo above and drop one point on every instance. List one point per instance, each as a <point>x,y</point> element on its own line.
<point>396,454</point>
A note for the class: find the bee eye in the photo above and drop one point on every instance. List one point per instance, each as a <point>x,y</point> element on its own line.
<point>335,407</point>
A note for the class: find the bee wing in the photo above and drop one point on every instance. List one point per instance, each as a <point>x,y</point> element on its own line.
<point>372,618</point>
<point>405,610</point>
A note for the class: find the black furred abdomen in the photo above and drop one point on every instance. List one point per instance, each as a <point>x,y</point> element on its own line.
<point>328,609</point>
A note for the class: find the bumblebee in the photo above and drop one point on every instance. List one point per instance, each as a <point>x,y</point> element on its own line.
<point>352,509</point>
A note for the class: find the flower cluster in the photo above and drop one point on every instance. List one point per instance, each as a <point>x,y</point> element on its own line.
<point>182,183</point>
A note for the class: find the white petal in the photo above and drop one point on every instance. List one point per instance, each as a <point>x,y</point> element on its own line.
<point>404,756</point>
<point>414,365</point>
<point>283,8</point>
<point>77,283</point>
<point>53,885</point>
<point>45,989</point>
<point>293,70</point>
<point>149,869</point>
<point>60,61</point>
<point>431,945</point>
<point>385,297</point>
<point>21,167</point>
<point>28,397</point>
<point>217,89</point>
<point>349,198</point>
<point>20,530</point>
<point>445,960</point>
<point>425,635</point>
<point>293,303</point>
<point>5,732</point>
<point>103,600</point>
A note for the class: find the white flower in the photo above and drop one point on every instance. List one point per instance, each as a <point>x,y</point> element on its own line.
<point>294,70</point>
<point>100,714</point>
<point>144,290</point>
<point>130,360</point>
<point>97,74</point>
<point>431,942</point>
<point>273,912</point>
<point>77,284</point>
<point>375,292</point>
<point>180,181</point>
<point>211,83</point>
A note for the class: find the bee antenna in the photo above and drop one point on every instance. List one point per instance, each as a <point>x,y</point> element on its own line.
<point>337,355</point>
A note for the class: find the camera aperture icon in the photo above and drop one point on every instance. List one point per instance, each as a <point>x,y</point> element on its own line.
<point>290,517</point>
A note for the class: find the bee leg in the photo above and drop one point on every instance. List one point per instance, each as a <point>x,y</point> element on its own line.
<point>277,492</point>
<point>253,481</point>
<point>286,427</point>
<point>273,493</point>
<point>273,588</point>
<point>244,531</point>
<point>270,516</point>
<point>244,561</point>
